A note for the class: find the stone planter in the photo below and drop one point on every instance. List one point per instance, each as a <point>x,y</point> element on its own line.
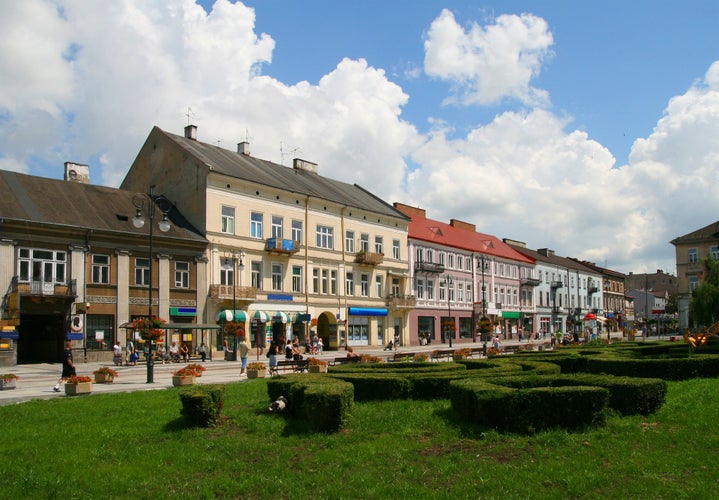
<point>8,384</point>
<point>103,378</point>
<point>179,380</point>
<point>78,389</point>
<point>317,368</point>
<point>255,373</point>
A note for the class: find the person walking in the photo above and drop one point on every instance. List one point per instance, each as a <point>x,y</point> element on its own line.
<point>243,350</point>
<point>68,366</point>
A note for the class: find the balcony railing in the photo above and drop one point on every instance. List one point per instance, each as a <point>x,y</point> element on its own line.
<point>225,292</point>
<point>556,284</point>
<point>44,288</point>
<point>592,289</point>
<point>530,282</point>
<point>557,310</point>
<point>401,302</point>
<point>280,246</point>
<point>369,258</point>
<point>428,267</point>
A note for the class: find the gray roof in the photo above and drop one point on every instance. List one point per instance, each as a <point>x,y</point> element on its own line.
<point>267,173</point>
<point>553,260</point>
<point>707,233</point>
<point>41,200</point>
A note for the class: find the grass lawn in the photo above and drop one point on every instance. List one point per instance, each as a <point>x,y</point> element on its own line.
<point>137,445</point>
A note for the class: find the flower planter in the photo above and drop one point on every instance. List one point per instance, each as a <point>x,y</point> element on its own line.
<point>179,380</point>
<point>7,384</point>
<point>104,378</point>
<point>78,389</point>
<point>317,368</point>
<point>255,373</point>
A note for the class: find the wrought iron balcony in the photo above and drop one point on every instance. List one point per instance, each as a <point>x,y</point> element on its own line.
<point>369,258</point>
<point>530,282</point>
<point>592,289</point>
<point>556,284</point>
<point>401,302</point>
<point>283,247</point>
<point>428,267</point>
<point>225,292</point>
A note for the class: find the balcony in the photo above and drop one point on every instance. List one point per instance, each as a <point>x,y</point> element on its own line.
<point>369,258</point>
<point>557,310</point>
<point>592,289</point>
<point>556,284</point>
<point>530,282</point>
<point>225,292</point>
<point>44,288</point>
<point>282,247</point>
<point>401,302</point>
<point>428,267</point>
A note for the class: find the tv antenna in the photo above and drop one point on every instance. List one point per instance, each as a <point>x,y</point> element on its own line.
<point>189,114</point>
<point>285,150</point>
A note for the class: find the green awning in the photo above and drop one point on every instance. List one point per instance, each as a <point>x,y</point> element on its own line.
<point>261,316</point>
<point>228,315</point>
<point>510,314</point>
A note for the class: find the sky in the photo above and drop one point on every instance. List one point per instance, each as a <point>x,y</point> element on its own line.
<point>589,128</point>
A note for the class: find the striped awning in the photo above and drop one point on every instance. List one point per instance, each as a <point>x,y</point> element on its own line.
<point>281,317</point>
<point>230,315</point>
<point>261,316</point>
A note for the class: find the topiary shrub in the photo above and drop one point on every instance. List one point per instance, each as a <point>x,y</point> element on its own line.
<point>202,404</point>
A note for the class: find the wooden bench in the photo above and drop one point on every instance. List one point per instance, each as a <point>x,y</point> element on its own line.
<point>402,356</point>
<point>294,365</point>
<point>441,354</point>
<point>344,360</point>
<point>477,352</point>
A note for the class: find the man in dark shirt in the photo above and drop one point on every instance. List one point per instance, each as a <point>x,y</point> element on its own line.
<point>68,367</point>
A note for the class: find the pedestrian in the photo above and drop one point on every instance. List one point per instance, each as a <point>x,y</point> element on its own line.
<point>129,349</point>
<point>203,352</point>
<point>320,346</point>
<point>68,367</point>
<point>117,353</point>
<point>272,356</point>
<point>243,350</point>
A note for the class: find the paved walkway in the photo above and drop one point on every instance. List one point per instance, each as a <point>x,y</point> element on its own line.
<point>37,380</point>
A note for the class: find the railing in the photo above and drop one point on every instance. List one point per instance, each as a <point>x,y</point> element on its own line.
<point>280,246</point>
<point>428,267</point>
<point>592,289</point>
<point>44,288</point>
<point>556,284</point>
<point>369,258</point>
<point>556,310</point>
<point>401,302</point>
<point>226,292</point>
<point>530,282</point>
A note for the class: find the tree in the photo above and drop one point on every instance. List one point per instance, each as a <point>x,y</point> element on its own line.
<point>705,298</point>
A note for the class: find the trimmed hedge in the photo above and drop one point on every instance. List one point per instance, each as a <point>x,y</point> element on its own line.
<point>324,403</point>
<point>202,404</point>
<point>664,368</point>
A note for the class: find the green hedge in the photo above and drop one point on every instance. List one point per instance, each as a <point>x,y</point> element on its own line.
<point>664,368</point>
<point>202,404</point>
<point>324,403</point>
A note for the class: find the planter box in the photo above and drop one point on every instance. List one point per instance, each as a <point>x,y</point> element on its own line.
<point>78,389</point>
<point>178,380</point>
<point>317,368</point>
<point>7,384</point>
<point>102,378</point>
<point>256,373</point>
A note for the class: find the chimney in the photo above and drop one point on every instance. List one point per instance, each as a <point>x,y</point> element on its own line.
<point>75,172</point>
<point>516,243</point>
<point>191,132</point>
<point>243,148</point>
<point>305,165</point>
<point>546,252</point>
<point>412,212</point>
<point>462,225</point>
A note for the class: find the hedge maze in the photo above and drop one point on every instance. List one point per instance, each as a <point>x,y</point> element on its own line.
<point>569,388</point>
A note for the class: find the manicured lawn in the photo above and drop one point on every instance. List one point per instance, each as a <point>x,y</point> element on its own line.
<point>137,445</point>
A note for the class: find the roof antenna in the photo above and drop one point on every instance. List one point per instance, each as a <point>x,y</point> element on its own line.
<point>291,151</point>
<point>189,114</point>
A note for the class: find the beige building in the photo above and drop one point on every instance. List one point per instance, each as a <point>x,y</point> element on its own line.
<point>691,249</point>
<point>291,253</point>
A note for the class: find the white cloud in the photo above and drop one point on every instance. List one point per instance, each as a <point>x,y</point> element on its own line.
<point>488,64</point>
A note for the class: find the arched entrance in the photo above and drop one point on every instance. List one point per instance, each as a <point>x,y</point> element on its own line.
<point>327,330</point>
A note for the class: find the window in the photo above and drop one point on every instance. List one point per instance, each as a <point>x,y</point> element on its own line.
<point>256,225</point>
<point>470,298</point>
<point>378,284</point>
<point>276,277</point>
<point>441,258</point>
<point>256,273</point>
<point>442,291</point>
<point>419,255</point>
<point>142,271</point>
<point>395,287</point>
<point>460,262</point>
<point>450,260</point>
<point>395,250</point>
<point>182,275</point>
<point>430,289</point>
<point>101,269</point>
<point>430,255</point>
<point>693,256</point>
<point>379,244</point>
<point>297,279</point>
<point>693,283</point>
<point>460,292</point>
<point>451,291</point>
<point>350,241</point>
<point>47,266</point>
<point>364,284</point>
<point>333,282</point>
<point>297,231</point>
<point>364,242</point>
<point>316,281</point>
<point>325,237</point>
<point>227,272</point>
<point>277,227</point>
<point>714,251</point>
<point>325,281</point>
<point>227,221</point>
<point>349,284</point>
<point>420,289</point>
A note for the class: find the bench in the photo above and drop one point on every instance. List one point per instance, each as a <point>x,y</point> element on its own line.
<point>402,356</point>
<point>441,354</point>
<point>477,352</point>
<point>344,360</point>
<point>294,365</point>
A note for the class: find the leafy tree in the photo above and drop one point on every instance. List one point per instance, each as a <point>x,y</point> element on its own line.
<point>672,304</point>
<point>705,299</point>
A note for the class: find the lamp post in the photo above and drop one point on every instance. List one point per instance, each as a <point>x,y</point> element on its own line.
<point>231,256</point>
<point>450,325</point>
<point>484,297</point>
<point>147,202</point>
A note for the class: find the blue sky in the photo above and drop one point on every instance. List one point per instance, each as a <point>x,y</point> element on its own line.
<point>585,127</point>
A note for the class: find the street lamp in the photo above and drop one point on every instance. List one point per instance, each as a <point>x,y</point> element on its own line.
<point>231,256</point>
<point>146,202</point>
<point>484,295</point>
<point>450,325</point>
